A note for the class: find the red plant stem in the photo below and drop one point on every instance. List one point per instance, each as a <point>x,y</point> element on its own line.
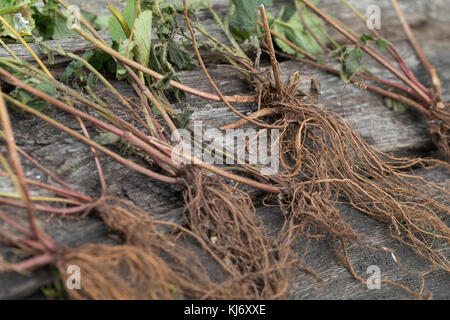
<point>369,51</point>
<point>48,209</point>
<point>32,244</point>
<point>150,112</point>
<point>431,70</point>
<point>123,161</point>
<point>67,193</point>
<point>21,243</point>
<point>34,262</point>
<point>399,86</point>
<point>43,169</point>
<point>383,92</point>
<point>15,225</point>
<point>401,62</point>
<point>129,137</point>
<point>96,159</point>
<point>154,74</point>
<point>406,70</point>
<point>22,185</point>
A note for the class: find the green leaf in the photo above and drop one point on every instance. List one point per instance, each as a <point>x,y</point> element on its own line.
<point>74,67</point>
<point>243,15</point>
<point>18,15</point>
<point>126,48</point>
<point>381,45</point>
<point>180,56</point>
<point>365,37</point>
<point>182,119</point>
<point>31,100</point>
<point>352,63</point>
<point>289,25</point>
<point>354,60</point>
<point>115,29</point>
<point>143,37</point>
<point>396,106</point>
<point>102,22</point>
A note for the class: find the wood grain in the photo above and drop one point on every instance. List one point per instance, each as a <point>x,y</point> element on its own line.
<point>366,112</point>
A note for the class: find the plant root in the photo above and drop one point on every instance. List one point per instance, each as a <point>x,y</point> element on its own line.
<point>326,163</point>
<point>224,217</point>
<point>440,129</point>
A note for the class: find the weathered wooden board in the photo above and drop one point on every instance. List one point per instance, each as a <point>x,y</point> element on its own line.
<point>371,119</point>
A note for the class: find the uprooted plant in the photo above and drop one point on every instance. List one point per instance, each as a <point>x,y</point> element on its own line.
<point>263,276</point>
<point>302,33</point>
<point>323,163</point>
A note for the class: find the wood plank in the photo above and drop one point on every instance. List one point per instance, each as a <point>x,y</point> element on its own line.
<point>371,119</point>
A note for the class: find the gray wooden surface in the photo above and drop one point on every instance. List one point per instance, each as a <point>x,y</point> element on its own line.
<point>365,111</point>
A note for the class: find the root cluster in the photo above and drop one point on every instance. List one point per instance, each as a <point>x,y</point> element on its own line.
<point>326,163</point>
<point>224,217</point>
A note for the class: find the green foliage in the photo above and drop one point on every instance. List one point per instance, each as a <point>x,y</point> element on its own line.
<point>243,16</point>
<point>18,15</point>
<point>31,100</point>
<point>47,21</point>
<point>126,48</point>
<point>381,45</point>
<point>396,106</point>
<point>54,290</point>
<point>365,38</point>
<point>182,119</point>
<point>51,22</point>
<point>289,25</point>
<point>142,37</point>
<point>115,29</point>
<point>79,76</point>
<point>352,61</point>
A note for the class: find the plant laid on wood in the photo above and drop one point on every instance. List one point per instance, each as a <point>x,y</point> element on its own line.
<point>323,163</point>
<point>264,276</point>
<point>303,34</point>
